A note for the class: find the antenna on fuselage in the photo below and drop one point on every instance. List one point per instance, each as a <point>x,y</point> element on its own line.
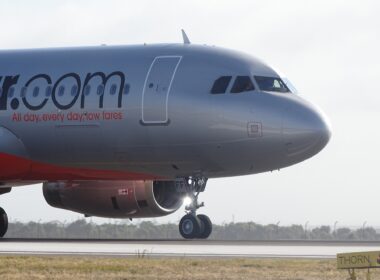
<point>185,38</point>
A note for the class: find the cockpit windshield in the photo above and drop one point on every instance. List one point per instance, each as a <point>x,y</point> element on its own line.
<point>290,86</point>
<point>271,84</point>
<point>241,84</point>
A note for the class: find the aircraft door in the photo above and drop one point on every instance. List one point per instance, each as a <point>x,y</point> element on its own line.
<point>157,86</point>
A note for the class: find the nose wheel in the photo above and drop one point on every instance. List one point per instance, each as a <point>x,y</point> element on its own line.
<point>3,222</point>
<point>198,226</point>
<point>192,225</point>
<point>206,226</point>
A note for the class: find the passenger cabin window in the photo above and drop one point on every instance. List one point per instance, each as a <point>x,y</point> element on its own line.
<point>126,89</point>
<point>113,89</point>
<point>74,90</point>
<point>100,90</point>
<point>220,85</point>
<point>87,90</point>
<point>271,84</point>
<point>241,84</point>
<point>48,91</point>
<point>36,91</point>
<point>23,91</point>
<point>11,91</point>
<point>61,91</point>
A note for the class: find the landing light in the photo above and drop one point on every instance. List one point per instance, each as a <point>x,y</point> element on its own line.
<point>187,201</point>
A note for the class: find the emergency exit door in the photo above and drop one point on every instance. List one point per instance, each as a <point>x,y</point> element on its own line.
<point>156,91</point>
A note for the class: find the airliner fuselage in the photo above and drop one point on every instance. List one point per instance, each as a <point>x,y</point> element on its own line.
<point>160,113</point>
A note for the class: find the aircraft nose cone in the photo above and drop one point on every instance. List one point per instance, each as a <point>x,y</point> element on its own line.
<point>306,131</point>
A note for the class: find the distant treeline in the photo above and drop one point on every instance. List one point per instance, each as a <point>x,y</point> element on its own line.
<point>149,230</point>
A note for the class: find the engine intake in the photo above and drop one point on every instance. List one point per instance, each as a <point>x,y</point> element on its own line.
<point>116,199</point>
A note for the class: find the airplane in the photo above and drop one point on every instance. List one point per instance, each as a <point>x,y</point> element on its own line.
<point>131,131</point>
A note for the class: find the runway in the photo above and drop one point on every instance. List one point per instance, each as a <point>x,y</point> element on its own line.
<point>183,248</point>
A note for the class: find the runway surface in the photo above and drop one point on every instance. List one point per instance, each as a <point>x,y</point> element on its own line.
<point>183,248</point>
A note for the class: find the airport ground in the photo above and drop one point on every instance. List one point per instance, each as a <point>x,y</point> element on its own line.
<point>145,267</point>
<point>175,259</point>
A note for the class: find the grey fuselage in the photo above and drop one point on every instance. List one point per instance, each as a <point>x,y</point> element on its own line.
<point>146,112</point>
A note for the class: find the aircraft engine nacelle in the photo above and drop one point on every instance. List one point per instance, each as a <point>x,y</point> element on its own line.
<point>115,199</point>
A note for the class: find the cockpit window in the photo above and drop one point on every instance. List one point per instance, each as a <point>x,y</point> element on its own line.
<point>290,86</point>
<point>271,84</point>
<point>242,83</point>
<point>221,84</point>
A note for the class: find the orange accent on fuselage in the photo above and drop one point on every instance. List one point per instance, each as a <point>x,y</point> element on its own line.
<point>14,168</point>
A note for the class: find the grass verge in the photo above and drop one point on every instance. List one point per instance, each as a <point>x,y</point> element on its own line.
<point>23,267</point>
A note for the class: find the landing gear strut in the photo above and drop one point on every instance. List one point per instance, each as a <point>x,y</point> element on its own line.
<point>3,222</point>
<point>192,225</point>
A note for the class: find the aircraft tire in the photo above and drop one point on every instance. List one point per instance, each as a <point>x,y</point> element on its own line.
<point>3,222</point>
<point>206,228</point>
<point>190,226</point>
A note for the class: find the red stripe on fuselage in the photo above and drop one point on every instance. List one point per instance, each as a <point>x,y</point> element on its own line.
<point>14,168</point>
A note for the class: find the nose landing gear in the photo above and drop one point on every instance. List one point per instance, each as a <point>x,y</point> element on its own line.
<point>192,225</point>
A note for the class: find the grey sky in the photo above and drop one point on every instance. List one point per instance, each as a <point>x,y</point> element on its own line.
<point>329,49</point>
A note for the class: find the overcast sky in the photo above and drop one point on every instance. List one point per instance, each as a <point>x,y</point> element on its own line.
<point>329,49</point>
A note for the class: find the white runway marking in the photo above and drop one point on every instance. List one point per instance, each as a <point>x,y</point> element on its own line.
<point>162,248</point>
